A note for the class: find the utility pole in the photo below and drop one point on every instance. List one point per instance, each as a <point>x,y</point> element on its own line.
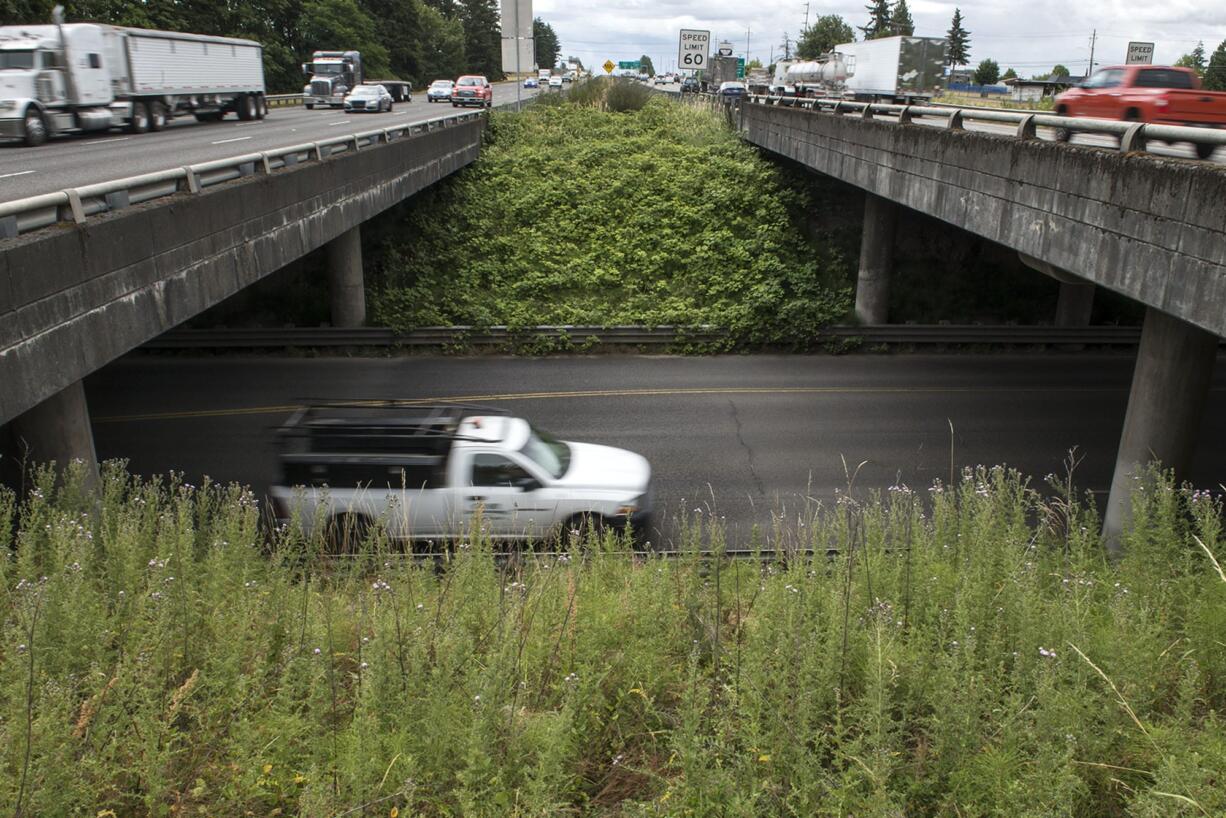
<point>1093,40</point>
<point>806,16</point>
<point>746,48</point>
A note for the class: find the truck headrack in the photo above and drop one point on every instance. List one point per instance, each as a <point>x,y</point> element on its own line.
<point>385,426</point>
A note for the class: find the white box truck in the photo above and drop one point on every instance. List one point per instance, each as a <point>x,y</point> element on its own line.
<point>893,69</point>
<point>74,77</point>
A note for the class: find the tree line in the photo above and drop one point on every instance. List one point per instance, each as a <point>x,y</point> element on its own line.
<point>417,40</point>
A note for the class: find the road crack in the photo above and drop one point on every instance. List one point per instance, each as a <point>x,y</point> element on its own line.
<point>753,472</point>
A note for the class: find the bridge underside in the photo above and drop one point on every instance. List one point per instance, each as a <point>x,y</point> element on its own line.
<point>1149,228</point>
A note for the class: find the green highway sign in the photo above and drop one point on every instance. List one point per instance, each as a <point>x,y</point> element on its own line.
<point>740,68</point>
<point>632,65</point>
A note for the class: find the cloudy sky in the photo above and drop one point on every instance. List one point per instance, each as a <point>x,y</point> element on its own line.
<point>1030,36</point>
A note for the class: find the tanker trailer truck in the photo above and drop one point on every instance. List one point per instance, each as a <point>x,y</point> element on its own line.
<point>823,77</point>
<point>75,77</point>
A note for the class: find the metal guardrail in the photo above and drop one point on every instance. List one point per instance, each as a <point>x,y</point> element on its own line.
<point>633,336</point>
<point>1133,136</point>
<point>283,100</point>
<point>78,204</point>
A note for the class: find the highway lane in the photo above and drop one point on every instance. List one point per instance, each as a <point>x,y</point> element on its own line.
<point>89,158</point>
<point>741,435</point>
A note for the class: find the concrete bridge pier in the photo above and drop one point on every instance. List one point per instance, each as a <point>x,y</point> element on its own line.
<point>1076,301</point>
<point>57,429</point>
<point>1170,386</point>
<point>346,285</point>
<point>876,260</point>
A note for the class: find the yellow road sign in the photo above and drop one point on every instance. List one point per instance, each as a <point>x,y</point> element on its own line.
<point>608,66</point>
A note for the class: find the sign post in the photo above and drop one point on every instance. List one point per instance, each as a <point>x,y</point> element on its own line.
<point>693,48</point>
<point>1140,54</point>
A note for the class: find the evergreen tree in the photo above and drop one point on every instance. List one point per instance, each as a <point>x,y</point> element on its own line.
<point>646,66</point>
<point>829,30</point>
<point>1215,73</point>
<point>1060,71</point>
<point>900,20</point>
<point>440,45</point>
<point>1009,74</point>
<point>987,73</point>
<point>878,20</point>
<point>957,42</point>
<point>398,21</point>
<point>547,46</point>
<point>482,37</point>
<point>1195,60</point>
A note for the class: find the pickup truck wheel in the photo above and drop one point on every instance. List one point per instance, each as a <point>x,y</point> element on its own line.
<point>1204,151</point>
<point>346,533</point>
<point>35,127</point>
<point>157,116</point>
<point>261,106</point>
<point>582,527</point>
<point>139,123</point>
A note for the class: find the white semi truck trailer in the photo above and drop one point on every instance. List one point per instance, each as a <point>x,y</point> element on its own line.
<point>74,77</point>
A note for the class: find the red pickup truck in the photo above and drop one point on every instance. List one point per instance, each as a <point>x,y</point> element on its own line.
<point>1146,93</point>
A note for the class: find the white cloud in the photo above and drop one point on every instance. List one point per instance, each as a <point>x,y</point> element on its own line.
<point>1030,36</point>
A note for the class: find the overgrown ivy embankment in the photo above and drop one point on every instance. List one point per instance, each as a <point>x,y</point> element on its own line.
<point>579,215</point>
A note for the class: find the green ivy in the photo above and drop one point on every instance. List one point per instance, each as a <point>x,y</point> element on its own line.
<point>575,215</point>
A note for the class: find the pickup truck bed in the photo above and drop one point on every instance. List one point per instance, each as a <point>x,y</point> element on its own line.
<point>1165,95</point>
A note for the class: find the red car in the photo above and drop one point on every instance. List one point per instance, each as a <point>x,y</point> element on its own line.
<point>1162,94</point>
<point>472,89</point>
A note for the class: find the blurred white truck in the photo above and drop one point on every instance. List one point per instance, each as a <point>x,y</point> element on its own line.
<point>74,77</point>
<point>426,472</point>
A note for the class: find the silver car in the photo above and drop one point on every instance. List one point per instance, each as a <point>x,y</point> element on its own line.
<point>440,91</point>
<point>372,98</point>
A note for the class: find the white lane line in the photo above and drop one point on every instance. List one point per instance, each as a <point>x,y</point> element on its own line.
<point>235,139</point>
<point>340,122</point>
<point>107,141</point>
<point>18,173</point>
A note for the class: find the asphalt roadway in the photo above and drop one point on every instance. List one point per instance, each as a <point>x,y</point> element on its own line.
<point>739,436</point>
<point>73,161</point>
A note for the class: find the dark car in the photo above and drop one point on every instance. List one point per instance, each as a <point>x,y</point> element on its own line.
<point>689,84</point>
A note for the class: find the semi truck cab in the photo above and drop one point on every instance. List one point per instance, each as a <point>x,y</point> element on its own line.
<point>333,74</point>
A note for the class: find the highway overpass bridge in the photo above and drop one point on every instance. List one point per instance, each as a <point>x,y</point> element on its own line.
<point>108,242</point>
<point>76,295</point>
<point>1149,227</point>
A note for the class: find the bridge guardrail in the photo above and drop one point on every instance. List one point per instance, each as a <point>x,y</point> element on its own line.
<point>78,204</point>
<point>1133,136</point>
<point>872,335</point>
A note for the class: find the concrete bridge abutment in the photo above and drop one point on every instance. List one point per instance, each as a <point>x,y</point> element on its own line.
<point>58,429</point>
<point>1170,387</point>
<point>876,260</point>
<point>346,284</point>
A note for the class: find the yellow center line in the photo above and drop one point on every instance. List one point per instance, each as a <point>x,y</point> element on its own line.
<point>615,393</point>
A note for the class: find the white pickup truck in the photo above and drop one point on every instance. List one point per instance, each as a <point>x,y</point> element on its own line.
<point>426,471</point>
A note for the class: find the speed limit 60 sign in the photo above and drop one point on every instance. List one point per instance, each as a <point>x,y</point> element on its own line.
<point>693,50</point>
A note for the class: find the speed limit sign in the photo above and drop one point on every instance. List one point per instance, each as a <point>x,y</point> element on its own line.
<point>693,50</point>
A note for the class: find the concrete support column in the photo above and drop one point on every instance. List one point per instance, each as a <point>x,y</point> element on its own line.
<point>345,281</point>
<point>1169,388</point>
<point>57,429</point>
<point>1075,305</point>
<point>876,260</point>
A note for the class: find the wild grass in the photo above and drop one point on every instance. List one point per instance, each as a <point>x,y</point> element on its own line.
<point>970,652</point>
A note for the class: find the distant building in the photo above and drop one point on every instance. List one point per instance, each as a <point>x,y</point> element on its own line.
<point>959,76</point>
<point>1033,90</point>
